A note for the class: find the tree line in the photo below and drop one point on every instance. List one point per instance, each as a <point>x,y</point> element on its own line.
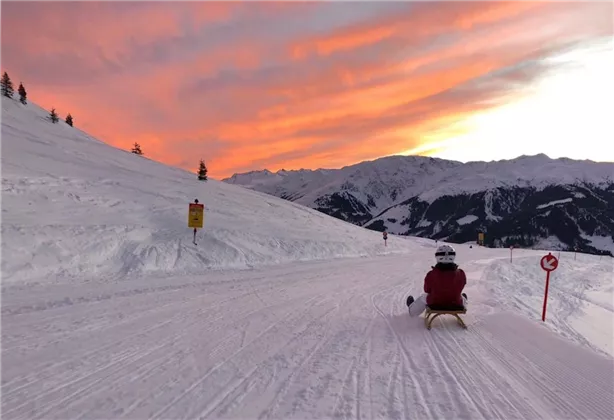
<point>7,89</point>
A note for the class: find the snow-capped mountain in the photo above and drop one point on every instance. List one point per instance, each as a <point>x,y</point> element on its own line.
<point>353,193</point>
<point>525,201</point>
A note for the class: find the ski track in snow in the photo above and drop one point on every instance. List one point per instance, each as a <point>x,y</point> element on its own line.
<point>321,339</point>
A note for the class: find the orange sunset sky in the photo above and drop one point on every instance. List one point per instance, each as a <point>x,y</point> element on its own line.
<point>254,85</point>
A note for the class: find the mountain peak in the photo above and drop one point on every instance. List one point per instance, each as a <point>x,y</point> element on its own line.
<point>539,156</point>
<point>390,191</point>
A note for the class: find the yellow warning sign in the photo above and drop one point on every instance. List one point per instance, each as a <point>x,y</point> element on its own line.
<point>196,215</point>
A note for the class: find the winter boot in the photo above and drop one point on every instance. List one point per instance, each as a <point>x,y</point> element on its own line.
<point>410,300</point>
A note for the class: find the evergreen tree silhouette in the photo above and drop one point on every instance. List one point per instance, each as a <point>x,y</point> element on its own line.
<point>53,116</point>
<point>202,171</point>
<point>6,85</point>
<point>137,149</point>
<point>22,94</point>
<point>69,119</point>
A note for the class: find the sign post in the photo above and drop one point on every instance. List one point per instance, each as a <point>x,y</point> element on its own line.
<point>511,249</point>
<point>195,217</point>
<point>548,263</point>
<point>385,235</point>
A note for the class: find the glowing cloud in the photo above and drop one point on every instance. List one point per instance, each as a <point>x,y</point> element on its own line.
<point>252,85</point>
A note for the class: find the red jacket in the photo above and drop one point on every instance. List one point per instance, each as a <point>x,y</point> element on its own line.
<point>444,285</point>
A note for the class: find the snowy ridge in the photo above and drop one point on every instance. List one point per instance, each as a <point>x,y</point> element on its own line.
<point>537,171</point>
<point>519,202</point>
<point>393,179</point>
<point>75,206</point>
<point>381,182</point>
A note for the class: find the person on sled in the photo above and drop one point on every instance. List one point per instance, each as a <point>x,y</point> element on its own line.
<point>443,285</point>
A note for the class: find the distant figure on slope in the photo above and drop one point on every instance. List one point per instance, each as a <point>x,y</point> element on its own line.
<point>443,285</point>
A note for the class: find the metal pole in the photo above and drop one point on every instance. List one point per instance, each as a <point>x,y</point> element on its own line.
<point>546,295</point>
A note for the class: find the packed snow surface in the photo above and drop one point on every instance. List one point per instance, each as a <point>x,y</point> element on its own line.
<point>109,311</point>
<point>321,339</point>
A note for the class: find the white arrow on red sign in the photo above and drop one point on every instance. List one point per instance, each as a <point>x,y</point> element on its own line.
<point>549,262</point>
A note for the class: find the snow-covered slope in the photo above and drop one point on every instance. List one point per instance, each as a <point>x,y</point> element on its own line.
<point>319,339</point>
<point>440,199</point>
<point>75,206</point>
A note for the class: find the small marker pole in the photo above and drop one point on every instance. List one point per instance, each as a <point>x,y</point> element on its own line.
<point>548,263</point>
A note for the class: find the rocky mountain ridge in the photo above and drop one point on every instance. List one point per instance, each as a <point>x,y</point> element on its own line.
<point>530,201</point>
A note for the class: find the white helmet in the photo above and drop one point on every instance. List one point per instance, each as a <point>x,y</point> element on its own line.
<point>445,254</point>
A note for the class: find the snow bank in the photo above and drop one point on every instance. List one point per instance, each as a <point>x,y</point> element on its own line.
<point>75,206</point>
<point>580,298</point>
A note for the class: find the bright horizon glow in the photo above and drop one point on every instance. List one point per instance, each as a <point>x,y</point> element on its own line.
<point>553,119</point>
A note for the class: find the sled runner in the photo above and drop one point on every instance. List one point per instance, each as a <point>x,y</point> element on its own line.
<point>430,315</point>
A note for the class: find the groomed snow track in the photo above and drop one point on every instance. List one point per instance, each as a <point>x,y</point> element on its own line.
<point>306,340</point>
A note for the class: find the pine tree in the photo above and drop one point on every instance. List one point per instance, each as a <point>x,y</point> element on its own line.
<point>69,119</point>
<point>137,149</point>
<point>53,116</point>
<point>7,85</point>
<point>22,94</point>
<point>202,171</point>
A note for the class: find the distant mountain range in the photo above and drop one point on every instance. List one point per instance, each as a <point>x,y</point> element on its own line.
<point>530,201</point>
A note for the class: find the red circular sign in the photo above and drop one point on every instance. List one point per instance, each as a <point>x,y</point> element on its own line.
<point>549,262</point>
